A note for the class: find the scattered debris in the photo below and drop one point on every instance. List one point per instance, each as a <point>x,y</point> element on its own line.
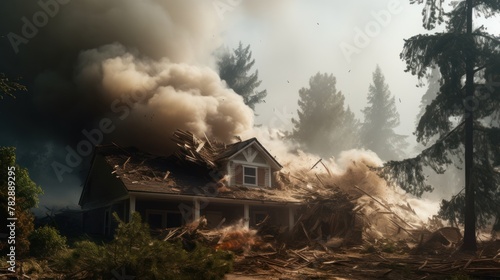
<point>350,223</point>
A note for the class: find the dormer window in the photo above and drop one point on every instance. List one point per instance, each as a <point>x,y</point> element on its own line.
<point>249,164</point>
<point>250,175</point>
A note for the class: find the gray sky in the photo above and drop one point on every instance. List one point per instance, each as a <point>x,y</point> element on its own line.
<point>303,38</point>
<point>293,40</point>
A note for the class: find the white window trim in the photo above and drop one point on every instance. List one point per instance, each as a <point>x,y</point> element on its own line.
<point>256,175</point>
<point>253,164</point>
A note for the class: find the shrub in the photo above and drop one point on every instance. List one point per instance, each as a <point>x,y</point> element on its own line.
<point>46,242</point>
<point>133,252</point>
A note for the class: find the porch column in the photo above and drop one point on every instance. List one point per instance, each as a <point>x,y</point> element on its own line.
<point>291,218</point>
<point>246,215</point>
<point>131,208</point>
<point>196,214</point>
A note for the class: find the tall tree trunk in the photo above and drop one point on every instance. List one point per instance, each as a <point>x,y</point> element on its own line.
<point>470,216</point>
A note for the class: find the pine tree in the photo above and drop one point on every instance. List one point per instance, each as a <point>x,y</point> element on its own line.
<point>324,126</point>
<point>381,117</point>
<point>432,91</point>
<point>464,116</point>
<point>234,70</point>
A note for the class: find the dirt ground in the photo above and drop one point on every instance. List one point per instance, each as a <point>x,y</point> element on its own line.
<point>358,264</point>
<point>352,264</point>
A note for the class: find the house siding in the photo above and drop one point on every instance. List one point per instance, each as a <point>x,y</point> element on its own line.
<point>261,176</point>
<point>93,221</point>
<point>249,157</point>
<point>106,193</point>
<point>238,174</point>
<point>102,186</point>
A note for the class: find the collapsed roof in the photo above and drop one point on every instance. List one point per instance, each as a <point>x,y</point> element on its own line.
<point>333,205</point>
<point>192,170</point>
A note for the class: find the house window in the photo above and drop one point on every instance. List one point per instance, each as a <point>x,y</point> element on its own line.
<point>174,219</point>
<point>250,175</point>
<point>155,218</point>
<point>159,219</point>
<point>259,217</point>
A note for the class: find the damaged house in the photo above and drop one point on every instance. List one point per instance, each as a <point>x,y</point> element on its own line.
<point>223,183</point>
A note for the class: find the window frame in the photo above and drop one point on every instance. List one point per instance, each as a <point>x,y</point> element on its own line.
<point>257,213</point>
<point>163,214</point>
<point>254,176</point>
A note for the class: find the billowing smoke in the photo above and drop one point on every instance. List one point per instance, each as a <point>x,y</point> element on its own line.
<point>142,64</point>
<point>133,71</point>
<point>150,99</point>
<point>351,172</point>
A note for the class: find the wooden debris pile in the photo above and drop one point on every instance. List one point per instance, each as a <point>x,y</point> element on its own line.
<point>328,222</point>
<point>443,239</point>
<point>235,238</point>
<point>195,150</point>
<point>306,262</point>
<point>355,204</point>
<point>134,165</point>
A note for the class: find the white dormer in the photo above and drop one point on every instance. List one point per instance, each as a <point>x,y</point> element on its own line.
<point>249,164</point>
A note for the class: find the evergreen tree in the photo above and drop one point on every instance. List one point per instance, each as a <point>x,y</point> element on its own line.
<point>432,91</point>
<point>135,253</point>
<point>234,68</point>
<point>324,126</point>
<point>381,117</point>
<point>465,114</point>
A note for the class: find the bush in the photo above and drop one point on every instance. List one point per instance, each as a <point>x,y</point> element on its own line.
<point>134,253</point>
<point>46,242</point>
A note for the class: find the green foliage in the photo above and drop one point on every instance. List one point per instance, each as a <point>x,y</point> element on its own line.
<point>26,197</point>
<point>133,251</point>
<point>27,191</point>
<point>456,52</point>
<point>434,77</point>
<point>8,87</point>
<point>46,242</point>
<point>324,126</point>
<point>381,117</point>
<point>234,69</point>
